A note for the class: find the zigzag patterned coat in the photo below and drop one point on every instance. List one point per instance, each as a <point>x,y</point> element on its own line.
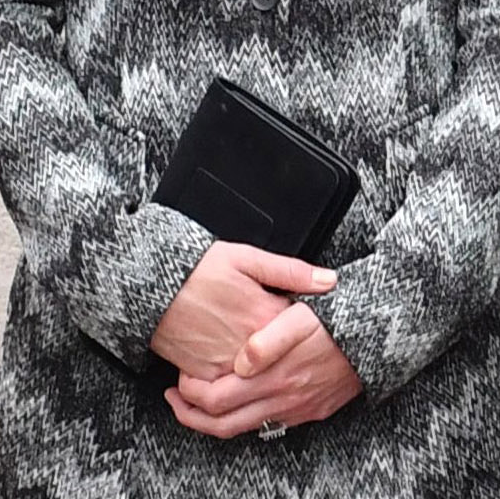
<point>94,95</point>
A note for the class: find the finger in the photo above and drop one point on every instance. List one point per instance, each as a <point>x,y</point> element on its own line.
<point>284,272</point>
<point>228,392</point>
<point>266,346</point>
<point>247,418</point>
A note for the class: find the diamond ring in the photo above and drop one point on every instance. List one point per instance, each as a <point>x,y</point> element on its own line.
<point>272,429</point>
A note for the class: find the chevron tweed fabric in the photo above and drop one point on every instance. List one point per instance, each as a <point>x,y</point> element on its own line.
<point>94,95</point>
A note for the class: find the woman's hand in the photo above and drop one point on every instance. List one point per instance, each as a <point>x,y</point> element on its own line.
<point>302,376</point>
<point>223,302</point>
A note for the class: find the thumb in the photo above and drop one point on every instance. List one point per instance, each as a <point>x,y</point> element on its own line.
<point>268,345</point>
<point>285,272</point>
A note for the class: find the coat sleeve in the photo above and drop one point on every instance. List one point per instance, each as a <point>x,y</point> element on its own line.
<point>62,179</point>
<point>435,265</point>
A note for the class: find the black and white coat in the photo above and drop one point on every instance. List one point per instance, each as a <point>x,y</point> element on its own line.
<point>94,95</point>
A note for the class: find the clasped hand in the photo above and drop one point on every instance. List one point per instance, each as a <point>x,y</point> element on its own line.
<point>246,354</point>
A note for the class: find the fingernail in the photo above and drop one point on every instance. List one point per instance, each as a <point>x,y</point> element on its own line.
<point>324,276</point>
<point>243,366</point>
<point>165,395</point>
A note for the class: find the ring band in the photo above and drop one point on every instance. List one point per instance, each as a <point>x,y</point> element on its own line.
<point>272,429</point>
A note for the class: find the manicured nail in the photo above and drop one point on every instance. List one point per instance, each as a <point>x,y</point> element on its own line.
<point>243,366</point>
<point>324,276</point>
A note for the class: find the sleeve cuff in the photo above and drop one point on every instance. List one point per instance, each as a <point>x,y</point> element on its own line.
<point>370,315</point>
<point>128,282</point>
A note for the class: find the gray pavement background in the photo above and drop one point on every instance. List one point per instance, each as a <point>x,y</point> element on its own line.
<point>10,249</point>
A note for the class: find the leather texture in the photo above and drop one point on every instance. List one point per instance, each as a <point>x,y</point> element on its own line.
<point>248,174</point>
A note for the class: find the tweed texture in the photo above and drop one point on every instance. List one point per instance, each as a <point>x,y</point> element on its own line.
<point>94,95</point>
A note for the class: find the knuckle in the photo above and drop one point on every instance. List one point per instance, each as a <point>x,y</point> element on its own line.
<point>211,404</point>
<point>215,370</point>
<point>211,372</point>
<point>219,406</point>
<point>181,417</point>
<point>184,386</point>
<point>299,381</point>
<point>289,382</point>
<point>222,368</point>
<point>223,431</point>
<point>322,413</point>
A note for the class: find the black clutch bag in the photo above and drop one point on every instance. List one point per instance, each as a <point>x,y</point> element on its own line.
<point>248,174</point>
